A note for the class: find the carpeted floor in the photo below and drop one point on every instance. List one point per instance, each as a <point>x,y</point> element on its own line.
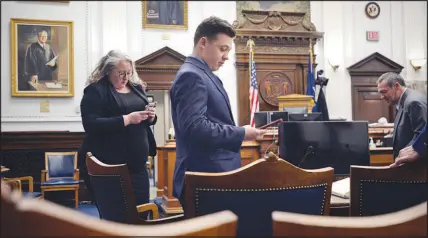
<point>89,209</point>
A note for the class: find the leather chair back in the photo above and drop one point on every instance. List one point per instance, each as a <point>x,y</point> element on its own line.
<point>380,190</point>
<point>112,190</point>
<point>254,191</point>
<point>60,164</point>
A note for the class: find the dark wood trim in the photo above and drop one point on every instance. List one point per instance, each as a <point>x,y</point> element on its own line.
<point>37,140</point>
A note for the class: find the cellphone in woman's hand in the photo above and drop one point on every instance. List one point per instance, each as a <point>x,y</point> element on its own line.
<point>152,104</point>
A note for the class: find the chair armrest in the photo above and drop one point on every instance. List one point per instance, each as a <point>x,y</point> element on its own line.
<point>165,220</point>
<point>149,207</point>
<point>76,175</point>
<point>43,178</point>
<point>25,178</point>
<point>15,185</point>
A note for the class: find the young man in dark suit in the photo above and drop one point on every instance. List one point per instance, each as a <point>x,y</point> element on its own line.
<point>207,138</point>
<point>411,109</point>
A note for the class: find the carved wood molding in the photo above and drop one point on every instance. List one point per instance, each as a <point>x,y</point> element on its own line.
<point>275,32</point>
<point>159,68</point>
<point>273,20</point>
<point>282,41</point>
<point>366,101</point>
<point>374,65</point>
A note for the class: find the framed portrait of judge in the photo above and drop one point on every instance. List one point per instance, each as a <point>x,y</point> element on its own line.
<point>41,58</point>
<point>165,14</point>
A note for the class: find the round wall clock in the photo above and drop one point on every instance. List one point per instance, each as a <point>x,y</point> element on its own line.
<point>372,10</point>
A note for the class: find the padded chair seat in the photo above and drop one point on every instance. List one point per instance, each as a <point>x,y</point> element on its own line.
<point>60,182</point>
<point>31,194</point>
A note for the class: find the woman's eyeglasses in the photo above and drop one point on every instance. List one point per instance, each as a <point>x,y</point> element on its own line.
<point>123,74</point>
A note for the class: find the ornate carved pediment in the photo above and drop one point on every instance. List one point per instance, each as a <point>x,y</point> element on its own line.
<point>275,32</point>
<point>158,68</point>
<point>375,64</point>
<point>165,58</point>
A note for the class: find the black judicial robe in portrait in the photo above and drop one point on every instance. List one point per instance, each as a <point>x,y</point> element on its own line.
<point>36,58</point>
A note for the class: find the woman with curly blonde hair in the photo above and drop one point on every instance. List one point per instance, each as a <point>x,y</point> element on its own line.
<point>117,120</point>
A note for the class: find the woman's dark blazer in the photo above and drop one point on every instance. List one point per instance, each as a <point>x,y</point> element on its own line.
<point>102,119</point>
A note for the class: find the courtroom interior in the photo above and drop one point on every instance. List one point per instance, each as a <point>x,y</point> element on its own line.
<point>96,111</point>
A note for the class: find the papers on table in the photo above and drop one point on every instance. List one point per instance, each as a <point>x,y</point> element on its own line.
<point>53,85</point>
<point>341,188</point>
<point>52,60</point>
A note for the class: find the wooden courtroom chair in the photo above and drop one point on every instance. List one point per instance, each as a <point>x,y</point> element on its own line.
<point>149,166</point>
<point>111,185</point>
<point>61,174</point>
<point>32,218</point>
<point>254,191</point>
<point>379,190</point>
<point>405,223</point>
<point>30,193</point>
<point>13,185</point>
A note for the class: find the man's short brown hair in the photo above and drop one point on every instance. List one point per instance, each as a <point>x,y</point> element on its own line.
<point>211,26</point>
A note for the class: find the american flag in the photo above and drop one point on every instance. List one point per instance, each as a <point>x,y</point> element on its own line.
<point>254,92</point>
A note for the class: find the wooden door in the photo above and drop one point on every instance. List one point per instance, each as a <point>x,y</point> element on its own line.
<point>368,105</point>
<point>366,101</point>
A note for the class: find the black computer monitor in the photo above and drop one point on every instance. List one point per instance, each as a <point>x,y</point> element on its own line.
<point>320,144</point>
<point>266,117</point>
<point>314,116</point>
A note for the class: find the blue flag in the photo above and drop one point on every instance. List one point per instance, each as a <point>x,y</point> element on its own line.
<point>310,90</point>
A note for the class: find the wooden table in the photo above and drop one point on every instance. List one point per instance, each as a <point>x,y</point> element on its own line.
<point>381,156</point>
<point>165,166</point>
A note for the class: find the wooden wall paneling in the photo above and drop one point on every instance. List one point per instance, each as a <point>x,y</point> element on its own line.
<point>366,101</point>
<point>24,154</point>
<point>281,55</point>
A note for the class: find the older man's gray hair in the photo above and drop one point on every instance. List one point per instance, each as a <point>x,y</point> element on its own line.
<point>391,78</point>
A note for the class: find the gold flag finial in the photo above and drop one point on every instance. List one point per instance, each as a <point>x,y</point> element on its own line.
<point>250,43</point>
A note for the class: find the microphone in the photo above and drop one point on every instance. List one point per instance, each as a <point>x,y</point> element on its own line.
<point>309,150</point>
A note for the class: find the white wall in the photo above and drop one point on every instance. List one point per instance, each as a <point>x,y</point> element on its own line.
<point>23,114</point>
<point>98,28</point>
<point>102,26</point>
<point>402,36</point>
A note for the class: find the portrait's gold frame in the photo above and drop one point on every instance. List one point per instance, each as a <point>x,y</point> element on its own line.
<point>14,63</point>
<point>159,26</point>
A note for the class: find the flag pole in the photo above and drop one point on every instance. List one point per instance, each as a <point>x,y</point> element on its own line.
<point>250,44</point>
<point>253,93</point>
<point>311,52</point>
